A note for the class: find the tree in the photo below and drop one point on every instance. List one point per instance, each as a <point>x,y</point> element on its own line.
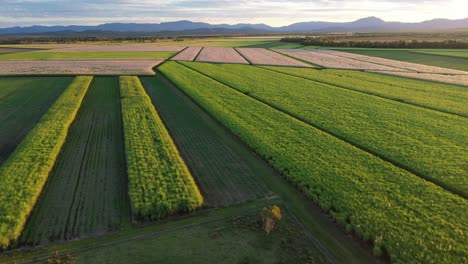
<point>270,216</point>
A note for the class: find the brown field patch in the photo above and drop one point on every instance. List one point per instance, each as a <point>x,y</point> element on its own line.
<point>221,55</point>
<point>79,67</point>
<point>406,66</point>
<point>444,78</point>
<point>334,62</point>
<point>189,54</point>
<point>13,50</point>
<point>268,57</point>
<point>104,48</point>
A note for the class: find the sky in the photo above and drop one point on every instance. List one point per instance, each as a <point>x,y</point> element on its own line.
<point>274,13</point>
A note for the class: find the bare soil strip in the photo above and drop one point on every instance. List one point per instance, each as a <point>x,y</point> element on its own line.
<point>189,54</point>
<point>267,57</point>
<point>105,48</point>
<point>443,78</point>
<point>220,55</point>
<point>79,67</point>
<point>408,66</point>
<point>335,62</point>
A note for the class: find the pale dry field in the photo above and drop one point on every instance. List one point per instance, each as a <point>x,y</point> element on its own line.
<point>79,67</point>
<point>267,57</point>
<point>444,78</point>
<point>220,55</point>
<point>334,62</point>
<point>393,63</point>
<point>106,48</point>
<point>188,54</point>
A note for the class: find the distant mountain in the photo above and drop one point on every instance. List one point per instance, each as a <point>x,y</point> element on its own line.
<point>185,26</point>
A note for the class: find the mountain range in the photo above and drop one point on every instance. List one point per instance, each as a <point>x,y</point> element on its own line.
<point>369,24</point>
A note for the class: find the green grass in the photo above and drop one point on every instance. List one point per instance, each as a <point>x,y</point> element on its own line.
<point>277,45</point>
<point>85,55</point>
<point>224,175</point>
<point>160,184</point>
<point>25,172</point>
<point>414,57</point>
<point>413,220</point>
<point>86,192</point>
<point>451,53</point>
<point>23,101</point>
<point>441,97</point>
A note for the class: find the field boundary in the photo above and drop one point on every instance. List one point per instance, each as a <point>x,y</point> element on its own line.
<point>358,146</point>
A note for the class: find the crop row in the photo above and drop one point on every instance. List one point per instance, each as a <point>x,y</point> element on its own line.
<point>426,142</point>
<point>159,182</point>
<point>408,217</point>
<point>25,172</point>
<point>442,97</point>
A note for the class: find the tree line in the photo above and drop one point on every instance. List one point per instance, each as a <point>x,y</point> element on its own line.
<point>406,44</point>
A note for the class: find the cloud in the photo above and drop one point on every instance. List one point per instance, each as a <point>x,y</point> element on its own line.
<point>273,12</point>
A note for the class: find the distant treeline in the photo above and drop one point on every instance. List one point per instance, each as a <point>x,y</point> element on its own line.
<point>78,39</point>
<point>407,44</point>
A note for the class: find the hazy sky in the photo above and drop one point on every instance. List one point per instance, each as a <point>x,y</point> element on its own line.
<point>275,13</point>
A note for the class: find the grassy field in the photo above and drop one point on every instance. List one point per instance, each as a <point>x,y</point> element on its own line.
<point>363,193</point>
<point>396,132</point>
<point>450,53</point>
<point>86,193</point>
<point>224,173</point>
<point>441,97</point>
<point>23,101</point>
<point>456,63</point>
<point>85,55</point>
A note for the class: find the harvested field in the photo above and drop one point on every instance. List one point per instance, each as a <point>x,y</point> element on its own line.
<point>331,61</point>
<point>105,48</point>
<point>443,78</point>
<point>405,66</point>
<point>221,55</point>
<point>268,57</point>
<point>189,54</point>
<point>79,67</point>
<point>13,50</point>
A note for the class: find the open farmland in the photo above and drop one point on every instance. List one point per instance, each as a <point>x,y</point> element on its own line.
<point>406,66</point>
<point>395,132</point>
<point>25,172</point>
<point>108,48</point>
<point>330,61</point>
<point>220,55</point>
<point>412,56</point>
<point>268,57</point>
<point>86,192</point>
<point>79,67</point>
<point>48,55</point>
<point>224,172</point>
<point>441,97</point>
<point>449,53</point>
<point>159,182</point>
<point>362,192</point>
<point>188,54</point>
<point>443,78</point>
<point>23,101</point>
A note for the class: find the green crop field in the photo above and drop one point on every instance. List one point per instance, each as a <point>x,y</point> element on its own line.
<point>396,132</point>
<point>441,97</point>
<point>362,192</point>
<point>86,190</point>
<point>159,182</point>
<point>23,101</point>
<point>85,55</point>
<point>457,63</point>
<point>224,175</point>
<point>449,53</point>
<point>25,172</point>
